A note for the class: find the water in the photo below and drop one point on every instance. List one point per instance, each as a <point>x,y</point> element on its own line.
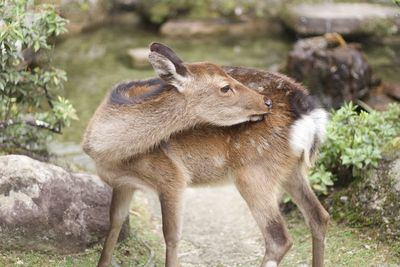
<point>96,61</point>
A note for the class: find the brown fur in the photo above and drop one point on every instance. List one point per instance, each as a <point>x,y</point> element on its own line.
<point>136,116</point>
<point>256,156</point>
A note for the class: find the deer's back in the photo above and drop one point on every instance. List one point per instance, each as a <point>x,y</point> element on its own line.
<point>210,154</point>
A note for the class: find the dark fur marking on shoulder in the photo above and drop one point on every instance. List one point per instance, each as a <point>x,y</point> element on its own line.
<point>302,103</point>
<point>118,96</point>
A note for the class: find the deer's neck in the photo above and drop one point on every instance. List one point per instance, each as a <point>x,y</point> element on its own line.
<point>176,114</point>
<point>169,114</point>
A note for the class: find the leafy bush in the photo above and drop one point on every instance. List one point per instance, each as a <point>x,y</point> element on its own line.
<point>158,11</point>
<point>355,142</point>
<point>29,111</point>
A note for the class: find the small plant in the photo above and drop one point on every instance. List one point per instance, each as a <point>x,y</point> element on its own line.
<point>355,142</point>
<point>29,109</point>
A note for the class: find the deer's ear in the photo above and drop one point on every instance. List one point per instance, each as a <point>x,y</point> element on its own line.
<point>168,65</point>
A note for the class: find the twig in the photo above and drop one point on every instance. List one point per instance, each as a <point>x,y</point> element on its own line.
<point>48,97</point>
<point>36,123</point>
<point>364,105</point>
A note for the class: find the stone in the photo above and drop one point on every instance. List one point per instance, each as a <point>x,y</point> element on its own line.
<point>333,70</point>
<point>378,98</point>
<point>343,18</point>
<point>373,200</point>
<point>188,27</point>
<point>139,57</point>
<point>125,4</point>
<point>46,208</point>
<point>392,90</point>
<point>83,16</point>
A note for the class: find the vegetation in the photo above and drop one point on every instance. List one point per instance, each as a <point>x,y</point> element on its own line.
<point>141,248</point>
<point>345,247</point>
<point>354,144</point>
<point>157,12</point>
<point>30,110</point>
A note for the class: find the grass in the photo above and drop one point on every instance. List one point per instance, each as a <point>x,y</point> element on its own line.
<point>345,247</point>
<point>135,251</point>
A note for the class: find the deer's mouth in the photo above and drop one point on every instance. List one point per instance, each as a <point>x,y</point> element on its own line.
<point>256,117</point>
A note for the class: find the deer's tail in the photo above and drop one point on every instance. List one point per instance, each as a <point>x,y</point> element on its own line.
<point>307,133</point>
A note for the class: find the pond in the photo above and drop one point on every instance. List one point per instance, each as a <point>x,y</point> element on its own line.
<point>96,61</point>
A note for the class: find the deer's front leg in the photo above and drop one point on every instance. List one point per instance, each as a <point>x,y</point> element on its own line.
<point>261,192</point>
<point>119,209</point>
<point>171,209</point>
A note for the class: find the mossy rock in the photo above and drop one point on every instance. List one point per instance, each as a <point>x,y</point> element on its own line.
<point>373,201</point>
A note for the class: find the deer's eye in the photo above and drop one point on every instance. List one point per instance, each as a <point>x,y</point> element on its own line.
<point>226,89</point>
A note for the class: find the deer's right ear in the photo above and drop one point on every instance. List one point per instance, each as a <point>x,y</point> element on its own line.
<point>168,65</point>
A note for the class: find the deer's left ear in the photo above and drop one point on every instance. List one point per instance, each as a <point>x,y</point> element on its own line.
<point>168,66</point>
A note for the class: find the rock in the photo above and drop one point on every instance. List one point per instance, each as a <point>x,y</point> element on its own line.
<point>125,4</point>
<point>187,27</point>
<point>344,199</point>
<point>378,98</point>
<point>84,15</point>
<point>373,201</point>
<point>139,57</point>
<point>343,18</point>
<point>392,90</point>
<point>45,208</point>
<point>124,18</point>
<point>331,69</point>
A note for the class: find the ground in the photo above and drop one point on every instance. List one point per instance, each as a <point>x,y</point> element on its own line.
<point>218,231</point>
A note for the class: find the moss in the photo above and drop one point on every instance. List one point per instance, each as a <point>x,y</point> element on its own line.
<point>380,27</point>
<point>371,203</point>
<point>346,246</point>
<point>134,251</point>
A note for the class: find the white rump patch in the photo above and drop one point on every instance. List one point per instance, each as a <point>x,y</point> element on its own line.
<point>305,129</point>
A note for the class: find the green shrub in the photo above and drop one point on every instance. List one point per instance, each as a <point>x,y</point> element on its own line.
<point>29,109</point>
<point>158,11</point>
<point>355,142</point>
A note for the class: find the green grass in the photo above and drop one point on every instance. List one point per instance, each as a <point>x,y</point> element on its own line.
<point>134,251</point>
<point>345,247</point>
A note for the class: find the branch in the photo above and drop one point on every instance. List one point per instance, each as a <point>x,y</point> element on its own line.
<point>32,122</point>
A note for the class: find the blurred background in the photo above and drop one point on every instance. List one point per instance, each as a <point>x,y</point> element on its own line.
<point>60,58</point>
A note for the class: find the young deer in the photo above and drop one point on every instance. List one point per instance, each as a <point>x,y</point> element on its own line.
<point>261,158</point>
<point>137,115</point>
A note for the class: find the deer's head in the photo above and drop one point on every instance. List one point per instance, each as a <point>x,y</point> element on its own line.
<point>212,95</point>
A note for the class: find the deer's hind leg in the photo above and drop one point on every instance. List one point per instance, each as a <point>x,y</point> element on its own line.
<point>262,195</point>
<point>119,209</point>
<point>314,213</point>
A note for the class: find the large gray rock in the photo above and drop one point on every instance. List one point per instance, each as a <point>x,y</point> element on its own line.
<point>139,57</point>
<point>43,207</point>
<point>343,18</point>
<point>189,27</point>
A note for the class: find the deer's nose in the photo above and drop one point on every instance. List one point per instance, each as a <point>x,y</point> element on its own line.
<point>268,102</point>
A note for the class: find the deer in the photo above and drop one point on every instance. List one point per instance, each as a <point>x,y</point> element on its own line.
<point>137,115</point>
<point>262,158</point>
